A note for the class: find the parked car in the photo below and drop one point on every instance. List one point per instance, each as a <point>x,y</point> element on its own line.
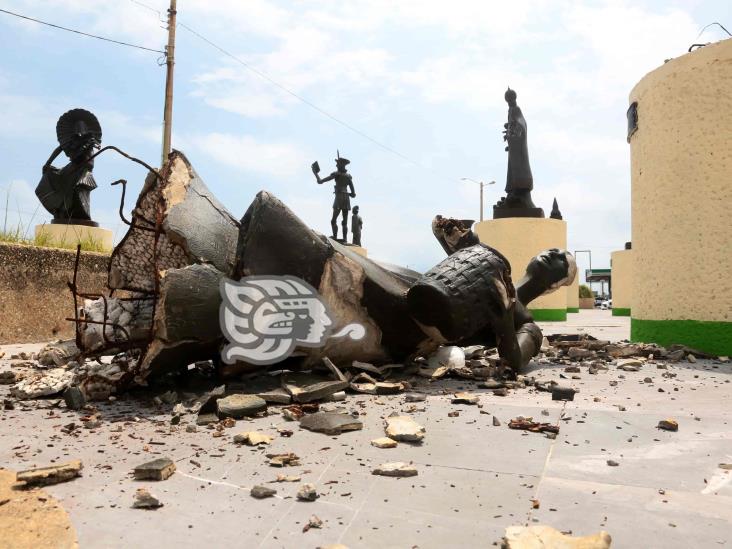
<point>598,301</point>
<point>607,304</point>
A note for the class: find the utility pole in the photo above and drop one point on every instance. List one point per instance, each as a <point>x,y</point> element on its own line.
<point>170,62</point>
<point>481,191</point>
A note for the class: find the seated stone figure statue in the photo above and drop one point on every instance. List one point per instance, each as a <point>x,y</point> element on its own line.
<point>467,298</point>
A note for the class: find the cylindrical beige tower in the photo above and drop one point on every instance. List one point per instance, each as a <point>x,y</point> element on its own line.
<point>681,172</point>
<point>621,263</point>
<point>520,239</point>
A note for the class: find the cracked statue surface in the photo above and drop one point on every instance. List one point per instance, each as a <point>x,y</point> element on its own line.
<point>469,297</point>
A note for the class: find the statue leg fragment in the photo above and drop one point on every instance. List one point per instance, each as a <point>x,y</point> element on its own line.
<point>344,225</point>
<point>334,223</point>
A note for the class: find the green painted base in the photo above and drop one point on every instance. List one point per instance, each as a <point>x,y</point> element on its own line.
<point>621,311</point>
<point>549,315</point>
<point>711,337</point>
<point>573,309</point>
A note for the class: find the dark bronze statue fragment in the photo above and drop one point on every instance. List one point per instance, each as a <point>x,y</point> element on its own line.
<point>556,214</point>
<point>519,180</point>
<point>343,191</point>
<point>65,192</point>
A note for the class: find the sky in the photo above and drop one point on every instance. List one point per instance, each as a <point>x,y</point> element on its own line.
<point>410,91</point>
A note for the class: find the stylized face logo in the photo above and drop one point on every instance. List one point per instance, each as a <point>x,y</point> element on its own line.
<point>265,318</point>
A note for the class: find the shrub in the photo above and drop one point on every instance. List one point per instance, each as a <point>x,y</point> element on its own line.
<point>584,291</point>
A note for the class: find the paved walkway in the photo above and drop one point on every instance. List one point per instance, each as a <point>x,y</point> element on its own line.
<point>474,479</point>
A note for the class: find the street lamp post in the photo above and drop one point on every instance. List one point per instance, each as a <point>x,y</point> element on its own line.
<point>481,191</point>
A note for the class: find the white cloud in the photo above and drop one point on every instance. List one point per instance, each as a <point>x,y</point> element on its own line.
<point>247,153</point>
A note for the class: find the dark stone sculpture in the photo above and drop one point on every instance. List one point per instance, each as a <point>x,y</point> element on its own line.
<point>356,226</point>
<point>519,181</point>
<point>65,192</point>
<point>556,214</point>
<point>341,202</point>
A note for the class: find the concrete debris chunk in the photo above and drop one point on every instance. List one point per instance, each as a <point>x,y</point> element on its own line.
<point>527,424</point>
<point>74,398</point>
<point>283,460</point>
<point>313,522</point>
<point>668,425</point>
<point>261,492</point>
<point>305,388</point>
<point>544,537</point>
<point>40,384</point>
<point>145,500</point>
<point>563,393</point>
<point>496,422</point>
<point>287,478</point>
<point>579,352</point>
<point>252,438</point>
<point>395,469</point>
<point>384,442</point>
<point>330,423</point>
<point>388,388</point>
<point>629,364</point>
<point>612,463</point>
<point>43,476</point>
<point>404,428</point>
<point>465,398</point>
<point>58,354</point>
<point>307,492</point>
<point>415,397</point>
<point>157,469</point>
<point>9,377</point>
<point>238,406</point>
<point>449,356</point>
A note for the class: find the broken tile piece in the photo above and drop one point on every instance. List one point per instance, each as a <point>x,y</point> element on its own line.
<point>404,428</point>
<point>261,492</point>
<point>313,391</point>
<point>145,500</point>
<point>465,398</point>
<point>238,406</point>
<point>252,438</point>
<point>415,397</point>
<point>313,522</point>
<point>157,469</point>
<point>43,476</point>
<point>384,442</point>
<point>282,460</point>
<point>395,469</point>
<point>330,423</point>
<point>538,536</point>
<point>307,492</point>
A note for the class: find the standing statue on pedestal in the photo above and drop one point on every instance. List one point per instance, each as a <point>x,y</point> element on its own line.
<point>65,192</point>
<point>356,226</point>
<point>341,202</point>
<point>519,181</point>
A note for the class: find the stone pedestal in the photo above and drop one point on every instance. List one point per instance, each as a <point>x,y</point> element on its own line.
<point>359,250</point>
<point>68,236</point>
<point>520,239</point>
<point>621,263</point>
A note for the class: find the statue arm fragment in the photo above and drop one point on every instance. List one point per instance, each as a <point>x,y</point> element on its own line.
<point>51,158</point>
<point>325,179</point>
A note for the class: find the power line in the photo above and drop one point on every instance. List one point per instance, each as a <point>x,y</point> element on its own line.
<point>313,106</point>
<point>80,32</point>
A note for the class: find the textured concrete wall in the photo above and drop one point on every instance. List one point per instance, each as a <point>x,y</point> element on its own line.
<point>681,171</point>
<point>34,297</point>
<point>622,281</point>
<point>520,239</point>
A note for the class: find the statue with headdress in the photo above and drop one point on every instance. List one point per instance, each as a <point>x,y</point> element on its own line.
<point>343,191</point>
<point>64,192</point>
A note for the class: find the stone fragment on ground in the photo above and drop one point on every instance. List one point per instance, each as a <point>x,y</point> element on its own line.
<point>43,476</point>
<point>528,424</point>
<point>261,492</point>
<point>395,469</point>
<point>330,423</point>
<point>465,398</point>
<point>404,429</point>
<point>307,492</point>
<point>546,537</point>
<point>668,425</point>
<point>252,438</point>
<point>309,388</point>
<point>238,406</point>
<point>384,442</point>
<point>283,460</point>
<point>157,469</point>
<point>145,500</point>
<point>415,397</point>
<point>313,522</point>
<point>74,398</point>
<point>38,384</point>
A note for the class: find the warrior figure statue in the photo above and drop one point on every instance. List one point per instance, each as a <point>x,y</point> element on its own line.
<point>356,226</point>
<point>65,192</point>
<point>341,202</point>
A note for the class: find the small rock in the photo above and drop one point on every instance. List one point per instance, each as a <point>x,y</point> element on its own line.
<point>496,422</point>
<point>668,425</point>
<point>252,438</point>
<point>330,423</point>
<point>502,392</point>
<point>450,357</point>
<point>238,406</point>
<point>307,492</point>
<point>415,397</point>
<point>384,442</point>
<point>190,428</point>
<point>404,428</point>
<point>157,469</point>
<point>579,352</point>
<point>282,460</point>
<point>387,388</point>
<point>629,364</point>
<point>145,500</point>
<point>612,463</point>
<point>313,522</point>
<point>395,469</point>
<point>563,393</point>
<point>9,377</point>
<point>261,492</point>
<point>287,478</point>
<point>465,398</point>
<point>572,370</point>
<point>43,476</point>
<point>74,398</point>
<point>691,358</point>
